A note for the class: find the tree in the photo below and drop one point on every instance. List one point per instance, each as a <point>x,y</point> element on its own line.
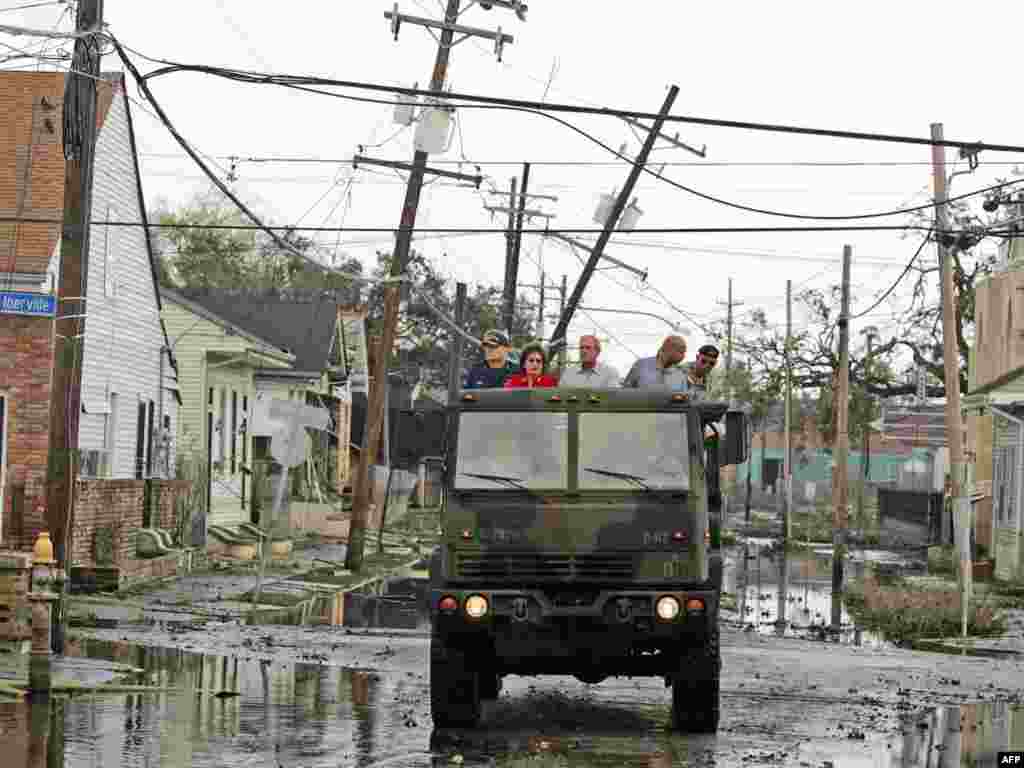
<point>192,255</point>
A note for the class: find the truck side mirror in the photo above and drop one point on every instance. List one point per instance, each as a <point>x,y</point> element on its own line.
<point>735,438</point>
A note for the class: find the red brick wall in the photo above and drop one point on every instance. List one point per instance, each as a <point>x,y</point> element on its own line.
<point>118,504</point>
<point>25,362</point>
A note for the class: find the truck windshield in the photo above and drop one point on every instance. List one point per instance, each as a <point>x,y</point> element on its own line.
<point>649,446</point>
<point>531,448</point>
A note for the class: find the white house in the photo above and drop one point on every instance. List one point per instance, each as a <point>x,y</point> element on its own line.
<point>129,383</point>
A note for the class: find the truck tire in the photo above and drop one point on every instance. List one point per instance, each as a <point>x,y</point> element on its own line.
<point>695,687</point>
<point>454,687</point>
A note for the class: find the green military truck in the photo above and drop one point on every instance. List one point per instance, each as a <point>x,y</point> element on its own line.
<point>580,536</point>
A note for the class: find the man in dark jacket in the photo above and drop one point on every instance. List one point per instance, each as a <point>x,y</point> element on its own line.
<point>496,366</point>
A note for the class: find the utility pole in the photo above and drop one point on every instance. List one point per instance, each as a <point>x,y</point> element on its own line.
<point>558,335</point>
<point>69,324</point>
<point>541,307</point>
<point>516,245</point>
<point>561,313</point>
<point>455,345</point>
<point>400,257</point>
<point>951,364</point>
<point>841,449</point>
<point>728,343</point>
<point>787,517</point>
<point>509,300</point>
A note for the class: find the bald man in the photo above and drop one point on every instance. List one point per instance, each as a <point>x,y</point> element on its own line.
<point>663,371</point>
<point>590,373</point>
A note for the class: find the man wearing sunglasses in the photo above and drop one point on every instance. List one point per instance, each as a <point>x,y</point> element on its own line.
<point>698,372</point>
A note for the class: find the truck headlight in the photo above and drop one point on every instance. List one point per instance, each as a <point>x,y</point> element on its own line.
<point>667,608</point>
<point>476,606</point>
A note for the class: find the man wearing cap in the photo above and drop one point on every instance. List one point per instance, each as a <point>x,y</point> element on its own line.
<point>495,368</point>
<point>590,373</point>
<point>661,371</point>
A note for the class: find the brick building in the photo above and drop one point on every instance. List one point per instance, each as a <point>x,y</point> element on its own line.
<point>129,388</point>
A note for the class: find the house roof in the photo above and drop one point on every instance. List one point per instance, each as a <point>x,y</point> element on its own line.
<point>216,317</point>
<point>33,157</point>
<point>300,321</point>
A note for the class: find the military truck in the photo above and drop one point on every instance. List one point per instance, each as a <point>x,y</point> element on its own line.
<point>580,536</point>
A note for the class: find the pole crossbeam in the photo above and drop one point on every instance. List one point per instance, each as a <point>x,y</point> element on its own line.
<point>641,273</point>
<point>357,159</point>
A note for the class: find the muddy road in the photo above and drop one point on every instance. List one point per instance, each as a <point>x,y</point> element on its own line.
<point>331,696</point>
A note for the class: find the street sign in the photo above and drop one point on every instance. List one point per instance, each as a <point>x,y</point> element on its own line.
<point>30,304</point>
<point>921,391</point>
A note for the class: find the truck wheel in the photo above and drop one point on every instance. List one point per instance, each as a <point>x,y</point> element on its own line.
<point>454,687</point>
<point>695,688</point>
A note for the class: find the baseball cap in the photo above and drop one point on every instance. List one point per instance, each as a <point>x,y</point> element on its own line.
<point>495,338</point>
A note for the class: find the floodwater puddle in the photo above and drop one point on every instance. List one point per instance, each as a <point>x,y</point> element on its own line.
<point>789,594</point>
<point>220,710</point>
<point>217,711</point>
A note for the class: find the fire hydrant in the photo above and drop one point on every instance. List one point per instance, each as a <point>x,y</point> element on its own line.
<point>42,598</point>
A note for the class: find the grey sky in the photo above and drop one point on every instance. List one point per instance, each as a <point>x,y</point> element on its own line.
<point>885,67</point>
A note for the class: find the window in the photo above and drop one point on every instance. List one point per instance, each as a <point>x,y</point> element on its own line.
<point>649,446</point>
<point>150,413</point>
<point>110,437</point>
<point>140,441</point>
<point>529,447</point>
<point>234,427</point>
<point>222,421</point>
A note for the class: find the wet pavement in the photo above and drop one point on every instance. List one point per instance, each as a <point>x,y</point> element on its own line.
<point>781,706</point>
<point>357,694</point>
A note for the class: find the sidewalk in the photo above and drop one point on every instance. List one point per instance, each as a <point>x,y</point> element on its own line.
<point>225,594</point>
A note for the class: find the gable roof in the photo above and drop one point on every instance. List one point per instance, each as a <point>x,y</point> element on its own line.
<point>31,104</point>
<point>300,321</point>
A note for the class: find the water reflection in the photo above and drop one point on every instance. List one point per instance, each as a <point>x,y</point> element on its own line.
<point>311,715</point>
<point>784,593</point>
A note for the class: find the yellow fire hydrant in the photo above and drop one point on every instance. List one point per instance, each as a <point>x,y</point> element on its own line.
<point>42,598</point>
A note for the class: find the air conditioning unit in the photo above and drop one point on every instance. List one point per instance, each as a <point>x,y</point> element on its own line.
<point>94,464</point>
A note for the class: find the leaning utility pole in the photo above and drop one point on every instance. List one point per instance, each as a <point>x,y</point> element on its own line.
<point>508,299</point>
<point>392,294</point>
<point>517,242</point>
<point>69,325</point>
<point>787,517</point>
<point>558,335</point>
<point>951,364</point>
<point>841,449</point>
<point>455,345</point>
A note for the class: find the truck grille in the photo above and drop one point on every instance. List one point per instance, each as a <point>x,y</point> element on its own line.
<point>525,564</point>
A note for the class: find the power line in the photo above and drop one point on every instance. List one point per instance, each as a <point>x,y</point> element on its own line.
<point>533,230</point>
<point>33,5</point>
<point>899,279</point>
<point>533,108</point>
<point>312,159</point>
<point>501,102</point>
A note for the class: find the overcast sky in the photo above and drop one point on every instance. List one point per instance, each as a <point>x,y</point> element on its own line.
<point>881,67</point>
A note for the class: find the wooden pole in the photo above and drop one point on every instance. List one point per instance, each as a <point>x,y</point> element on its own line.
<point>841,449</point>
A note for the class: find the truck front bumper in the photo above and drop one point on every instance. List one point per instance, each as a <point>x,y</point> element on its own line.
<point>630,615</point>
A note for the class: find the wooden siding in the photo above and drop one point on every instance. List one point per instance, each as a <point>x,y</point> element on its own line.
<point>123,337</point>
<point>999,315</point>
<point>192,336</point>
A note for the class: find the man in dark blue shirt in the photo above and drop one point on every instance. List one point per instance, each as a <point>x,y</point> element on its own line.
<point>495,368</point>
